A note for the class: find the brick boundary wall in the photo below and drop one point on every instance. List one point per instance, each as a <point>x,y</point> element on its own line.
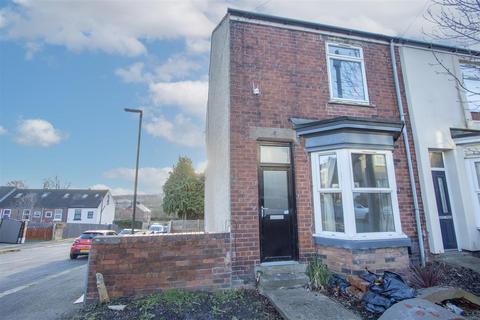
<point>139,265</point>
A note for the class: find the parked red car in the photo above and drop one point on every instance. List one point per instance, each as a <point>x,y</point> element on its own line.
<point>82,244</point>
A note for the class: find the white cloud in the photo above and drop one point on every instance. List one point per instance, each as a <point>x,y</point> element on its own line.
<point>150,179</point>
<point>181,130</point>
<point>201,166</point>
<point>111,26</point>
<point>114,191</point>
<point>2,130</point>
<point>388,16</point>
<point>123,27</point>
<point>134,73</point>
<point>176,67</point>
<point>37,132</point>
<point>198,45</point>
<point>189,96</point>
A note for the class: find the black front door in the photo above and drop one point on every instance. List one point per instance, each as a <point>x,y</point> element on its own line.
<point>277,214</point>
<point>444,210</point>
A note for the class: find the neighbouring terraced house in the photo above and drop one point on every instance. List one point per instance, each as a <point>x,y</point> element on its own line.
<point>337,142</point>
<point>71,206</point>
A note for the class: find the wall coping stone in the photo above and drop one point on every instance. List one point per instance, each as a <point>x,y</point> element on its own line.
<point>362,244</point>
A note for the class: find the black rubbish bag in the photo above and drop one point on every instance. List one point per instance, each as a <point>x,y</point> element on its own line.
<point>390,287</point>
<point>369,276</point>
<point>395,288</point>
<point>376,303</point>
<point>336,281</point>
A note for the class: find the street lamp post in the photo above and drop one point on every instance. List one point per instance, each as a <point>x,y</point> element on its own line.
<point>140,112</point>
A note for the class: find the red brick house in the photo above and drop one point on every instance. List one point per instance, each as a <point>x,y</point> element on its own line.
<point>306,145</point>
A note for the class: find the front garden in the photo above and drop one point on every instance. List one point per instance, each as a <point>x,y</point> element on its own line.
<point>179,304</point>
<point>353,292</point>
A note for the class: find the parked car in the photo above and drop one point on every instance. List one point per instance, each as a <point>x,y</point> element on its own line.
<point>158,228</point>
<point>82,244</point>
<point>128,231</point>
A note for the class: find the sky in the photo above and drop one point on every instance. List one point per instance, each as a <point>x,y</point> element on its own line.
<point>68,69</point>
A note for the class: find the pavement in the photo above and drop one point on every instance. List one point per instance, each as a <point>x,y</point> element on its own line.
<point>460,258</point>
<point>302,304</point>
<point>40,281</point>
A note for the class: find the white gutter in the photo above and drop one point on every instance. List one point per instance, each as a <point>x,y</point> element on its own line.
<point>406,143</point>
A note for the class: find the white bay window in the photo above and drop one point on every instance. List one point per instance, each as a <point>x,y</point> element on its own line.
<point>355,194</point>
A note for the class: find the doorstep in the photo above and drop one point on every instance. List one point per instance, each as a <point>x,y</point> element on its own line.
<point>285,274</point>
<point>303,304</point>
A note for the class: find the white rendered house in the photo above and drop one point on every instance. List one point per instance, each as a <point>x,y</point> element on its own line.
<point>446,130</point>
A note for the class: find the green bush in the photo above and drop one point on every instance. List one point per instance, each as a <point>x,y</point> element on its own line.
<point>125,224</point>
<point>318,274</point>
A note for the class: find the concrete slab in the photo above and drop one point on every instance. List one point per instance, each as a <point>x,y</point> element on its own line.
<point>439,294</point>
<point>416,309</point>
<point>460,258</point>
<point>301,304</point>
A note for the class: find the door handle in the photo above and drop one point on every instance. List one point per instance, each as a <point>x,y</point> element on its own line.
<point>262,212</point>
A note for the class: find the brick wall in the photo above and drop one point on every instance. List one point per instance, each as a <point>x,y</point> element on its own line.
<point>17,214</point>
<point>289,66</point>
<point>347,261</point>
<point>138,265</point>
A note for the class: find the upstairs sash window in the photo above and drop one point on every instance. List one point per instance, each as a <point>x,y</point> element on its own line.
<point>346,73</point>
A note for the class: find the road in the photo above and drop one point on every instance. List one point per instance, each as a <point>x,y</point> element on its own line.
<point>40,282</point>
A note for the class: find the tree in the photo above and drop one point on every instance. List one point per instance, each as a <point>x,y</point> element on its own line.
<point>55,183</point>
<point>458,22</point>
<point>184,191</point>
<point>19,184</point>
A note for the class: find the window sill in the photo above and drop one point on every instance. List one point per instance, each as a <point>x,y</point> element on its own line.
<point>352,103</point>
<point>393,242</point>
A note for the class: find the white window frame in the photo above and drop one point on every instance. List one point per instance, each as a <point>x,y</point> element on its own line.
<point>475,189</point>
<point>37,214</point>
<point>60,212</point>
<point>88,214</point>
<point>347,58</point>
<point>4,213</point>
<point>48,214</point>
<point>74,214</point>
<point>29,214</point>
<point>345,176</point>
<point>465,93</point>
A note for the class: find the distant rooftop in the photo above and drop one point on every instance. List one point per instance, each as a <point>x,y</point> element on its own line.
<point>53,198</point>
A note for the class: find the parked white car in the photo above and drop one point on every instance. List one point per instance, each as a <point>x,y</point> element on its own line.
<point>158,228</point>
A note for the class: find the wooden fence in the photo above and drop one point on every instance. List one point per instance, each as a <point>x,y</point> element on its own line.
<point>41,233</point>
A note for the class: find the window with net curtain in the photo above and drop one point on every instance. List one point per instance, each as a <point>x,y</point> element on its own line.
<point>371,196</point>
<point>353,187</point>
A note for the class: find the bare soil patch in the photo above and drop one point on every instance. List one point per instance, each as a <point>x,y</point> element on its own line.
<point>187,305</point>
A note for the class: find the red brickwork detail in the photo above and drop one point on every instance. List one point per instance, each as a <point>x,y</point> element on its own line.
<point>348,261</point>
<point>290,69</point>
<point>140,265</point>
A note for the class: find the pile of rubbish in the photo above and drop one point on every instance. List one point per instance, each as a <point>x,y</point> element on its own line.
<point>377,292</point>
